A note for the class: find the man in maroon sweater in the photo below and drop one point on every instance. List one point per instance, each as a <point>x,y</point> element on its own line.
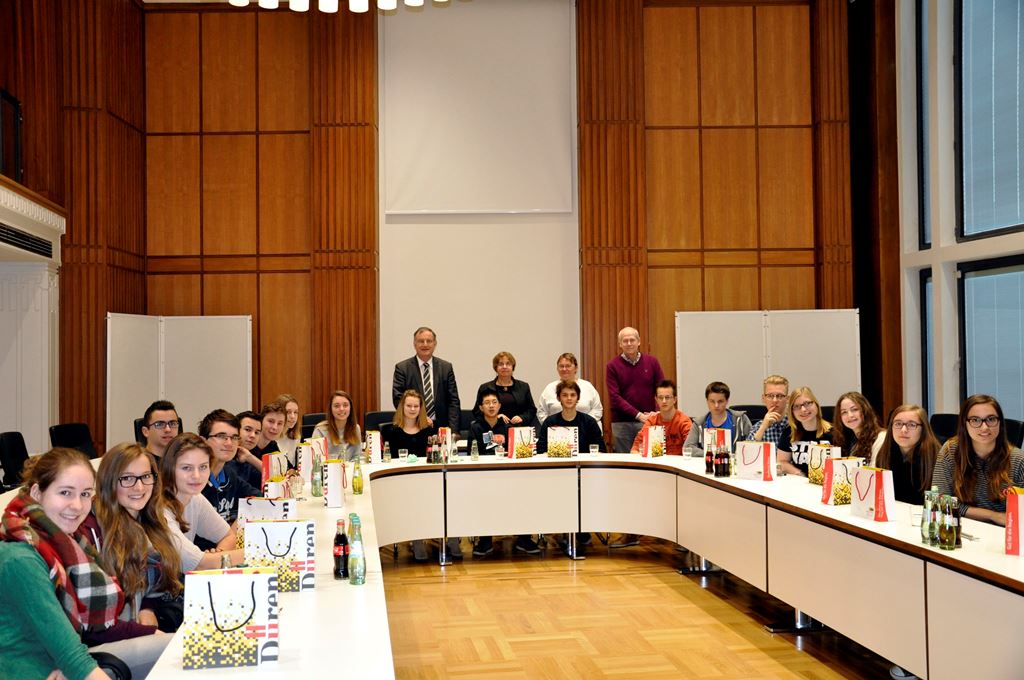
<point>631,378</point>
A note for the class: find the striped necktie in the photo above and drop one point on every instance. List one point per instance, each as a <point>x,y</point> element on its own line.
<point>428,391</point>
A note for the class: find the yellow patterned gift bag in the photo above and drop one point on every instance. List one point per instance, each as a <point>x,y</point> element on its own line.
<point>231,618</point>
<point>262,508</point>
<point>287,545</point>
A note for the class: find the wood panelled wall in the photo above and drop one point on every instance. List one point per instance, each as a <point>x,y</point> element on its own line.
<point>709,165</point>
<point>261,188</point>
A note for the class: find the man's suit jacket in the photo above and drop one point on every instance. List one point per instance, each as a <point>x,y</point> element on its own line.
<point>409,376</point>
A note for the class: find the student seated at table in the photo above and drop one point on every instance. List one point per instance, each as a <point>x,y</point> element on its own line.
<point>909,449</point>
<point>719,416</point>
<point>489,430</point>
<point>55,596</point>
<point>291,433</point>
<point>806,428</point>
<point>587,428</point>
<point>676,423</point>
<point>226,486</point>
<point>137,545</point>
<point>410,430</point>
<point>159,426</point>
<point>858,431</point>
<point>774,393</point>
<point>979,463</point>
<point>344,438</point>
<point>185,470</point>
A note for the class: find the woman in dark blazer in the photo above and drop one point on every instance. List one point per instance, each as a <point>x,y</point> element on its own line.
<point>517,405</point>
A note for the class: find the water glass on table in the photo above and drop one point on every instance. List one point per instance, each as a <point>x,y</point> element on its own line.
<point>403,455</point>
<point>594,449</point>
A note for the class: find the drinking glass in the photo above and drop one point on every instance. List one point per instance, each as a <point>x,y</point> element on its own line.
<point>594,449</point>
<point>403,455</point>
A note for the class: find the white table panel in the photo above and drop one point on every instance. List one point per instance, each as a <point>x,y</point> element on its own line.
<point>974,628</point>
<point>510,501</point>
<point>728,530</point>
<point>633,501</point>
<point>408,506</point>
<point>867,592</point>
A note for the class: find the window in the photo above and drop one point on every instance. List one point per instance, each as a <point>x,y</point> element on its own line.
<point>990,82</point>
<point>923,164</point>
<point>992,331</point>
<point>927,341</point>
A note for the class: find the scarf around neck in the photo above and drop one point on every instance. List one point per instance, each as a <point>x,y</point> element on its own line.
<point>91,598</point>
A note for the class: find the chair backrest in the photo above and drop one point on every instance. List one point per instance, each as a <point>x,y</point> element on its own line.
<point>374,419</point>
<point>828,413</point>
<point>943,425</point>
<point>754,411</point>
<point>73,436</point>
<point>13,455</point>
<point>313,418</point>
<point>1014,431</point>
<point>139,437</point>
<point>465,420</point>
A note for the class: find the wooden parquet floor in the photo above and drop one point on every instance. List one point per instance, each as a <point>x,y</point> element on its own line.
<point>629,614</point>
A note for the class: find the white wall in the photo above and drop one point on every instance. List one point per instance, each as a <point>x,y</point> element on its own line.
<point>28,351</point>
<point>483,282</point>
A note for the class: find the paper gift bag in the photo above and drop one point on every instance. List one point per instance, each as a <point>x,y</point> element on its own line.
<point>262,508</point>
<point>652,441</point>
<point>375,446</point>
<point>817,456</point>
<point>274,465</point>
<point>521,442</point>
<point>837,485</point>
<point>563,442</point>
<point>1014,519</point>
<point>304,461</point>
<point>335,482</point>
<point>230,618</point>
<point>874,496</point>
<point>756,460</point>
<point>717,438</point>
<point>289,545</point>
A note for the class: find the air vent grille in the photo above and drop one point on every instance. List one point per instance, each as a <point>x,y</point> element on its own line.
<point>25,241</point>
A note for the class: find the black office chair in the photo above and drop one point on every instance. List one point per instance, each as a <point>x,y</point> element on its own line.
<point>309,423</point>
<point>754,411</point>
<point>827,412</point>
<point>465,420</point>
<point>13,455</point>
<point>374,419</point>
<point>1014,431</point>
<point>73,436</point>
<point>943,425</point>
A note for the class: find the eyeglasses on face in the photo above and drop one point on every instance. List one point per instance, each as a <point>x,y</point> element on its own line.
<point>128,481</point>
<point>164,425</point>
<point>774,396</point>
<point>224,436</point>
<point>908,424</point>
<point>807,405</point>
<point>975,421</point>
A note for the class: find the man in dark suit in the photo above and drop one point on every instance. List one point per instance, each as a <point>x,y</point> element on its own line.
<point>439,390</point>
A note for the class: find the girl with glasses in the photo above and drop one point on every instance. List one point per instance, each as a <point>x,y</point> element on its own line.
<point>57,600</point>
<point>909,449</point>
<point>979,463</point>
<point>858,432</point>
<point>185,467</point>
<point>138,546</point>
<point>806,427</point>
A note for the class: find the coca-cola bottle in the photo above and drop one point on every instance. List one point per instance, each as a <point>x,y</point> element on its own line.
<point>341,552</point>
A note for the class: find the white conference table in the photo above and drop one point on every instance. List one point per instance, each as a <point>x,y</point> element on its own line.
<point>873,582</point>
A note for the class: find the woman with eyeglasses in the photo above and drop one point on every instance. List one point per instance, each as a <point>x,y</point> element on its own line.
<point>806,427</point>
<point>56,597</point>
<point>185,467</point>
<point>858,431</point>
<point>909,449</point>
<point>137,544</point>
<point>979,463</point>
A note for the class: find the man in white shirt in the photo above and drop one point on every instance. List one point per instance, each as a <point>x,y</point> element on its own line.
<point>589,402</point>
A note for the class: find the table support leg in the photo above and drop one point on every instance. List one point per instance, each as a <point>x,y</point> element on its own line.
<point>703,567</point>
<point>802,623</point>
<point>572,550</point>
<point>444,560</point>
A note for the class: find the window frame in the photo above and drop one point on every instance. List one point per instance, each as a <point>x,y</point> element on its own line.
<point>925,276</point>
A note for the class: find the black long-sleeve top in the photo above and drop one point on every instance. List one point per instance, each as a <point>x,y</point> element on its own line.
<point>516,400</point>
<point>588,431</point>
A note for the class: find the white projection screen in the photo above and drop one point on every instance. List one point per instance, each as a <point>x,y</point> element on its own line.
<point>504,143</point>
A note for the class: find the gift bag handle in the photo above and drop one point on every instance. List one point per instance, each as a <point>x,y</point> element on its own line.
<point>213,610</point>
<point>856,483</point>
<point>266,539</point>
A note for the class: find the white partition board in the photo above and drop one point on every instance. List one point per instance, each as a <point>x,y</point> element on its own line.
<point>198,362</point>
<point>815,347</point>
<point>133,371</point>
